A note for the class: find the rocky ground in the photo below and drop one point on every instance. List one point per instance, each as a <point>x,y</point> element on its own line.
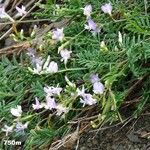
<point>134,136</point>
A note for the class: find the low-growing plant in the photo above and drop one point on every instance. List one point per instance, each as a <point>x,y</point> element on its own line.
<point>96,55</point>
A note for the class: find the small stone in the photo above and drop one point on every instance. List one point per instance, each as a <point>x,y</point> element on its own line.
<point>114,147</point>
<point>9,41</point>
<point>120,147</point>
<point>95,142</point>
<point>133,138</point>
<point>83,148</point>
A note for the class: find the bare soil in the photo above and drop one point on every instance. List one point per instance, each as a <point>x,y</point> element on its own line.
<point>135,135</point>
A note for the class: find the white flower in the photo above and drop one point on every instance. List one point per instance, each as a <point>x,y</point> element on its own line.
<point>16,111</point>
<point>52,68</point>
<point>65,54</point>
<point>87,11</point>
<point>20,127</point>
<point>58,34</point>
<point>56,91</point>
<point>61,109</point>
<point>7,129</point>
<point>37,104</point>
<point>50,103</point>
<point>21,11</point>
<point>44,68</point>
<point>48,90</point>
<point>52,90</point>
<point>98,88</point>
<point>81,92</point>
<point>38,64</point>
<point>38,69</point>
<point>88,99</point>
<point>3,14</point>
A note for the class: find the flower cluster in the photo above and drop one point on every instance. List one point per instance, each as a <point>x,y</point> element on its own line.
<point>98,87</point>
<point>45,67</point>
<point>51,104</point>
<point>21,11</point>
<point>58,35</point>
<point>86,98</point>
<point>41,66</point>
<point>18,126</point>
<point>91,25</point>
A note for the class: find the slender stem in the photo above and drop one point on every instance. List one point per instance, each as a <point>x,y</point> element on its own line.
<point>25,21</point>
<point>10,18</point>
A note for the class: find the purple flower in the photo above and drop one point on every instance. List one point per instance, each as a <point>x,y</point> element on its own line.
<point>51,91</point>
<point>52,67</point>
<point>87,11</point>
<point>20,127</point>
<point>65,54</point>
<point>50,103</point>
<point>37,104</point>
<point>58,34</point>
<point>41,67</point>
<point>21,11</point>
<point>88,99</point>
<point>98,88</point>
<point>94,78</point>
<point>92,26</point>
<point>107,8</point>
<point>56,91</point>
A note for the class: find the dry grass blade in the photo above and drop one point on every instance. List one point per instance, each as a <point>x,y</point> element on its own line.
<point>67,142</point>
<point>10,30</point>
<point>15,48</point>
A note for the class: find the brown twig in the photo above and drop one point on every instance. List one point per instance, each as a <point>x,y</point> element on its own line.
<point>24,45</point>
<point>17,47</point>
<point>10,30</point>
<point>125,122</point>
